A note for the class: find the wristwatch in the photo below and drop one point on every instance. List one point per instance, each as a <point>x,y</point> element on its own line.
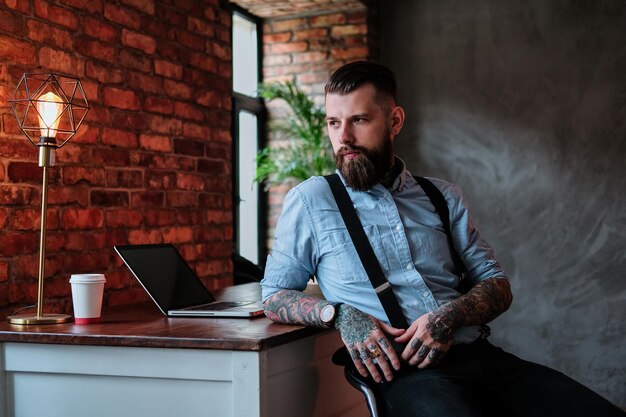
<point>328,314</point>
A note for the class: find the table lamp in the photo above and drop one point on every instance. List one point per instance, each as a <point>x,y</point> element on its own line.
<point>51,108</point>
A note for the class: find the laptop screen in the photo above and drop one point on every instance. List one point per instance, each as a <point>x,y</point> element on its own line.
<point>165,275</point>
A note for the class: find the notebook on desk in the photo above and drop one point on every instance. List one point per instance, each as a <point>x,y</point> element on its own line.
<point>174,286</point>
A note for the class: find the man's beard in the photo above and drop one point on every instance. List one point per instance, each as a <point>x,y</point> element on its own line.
<point>367,169</point>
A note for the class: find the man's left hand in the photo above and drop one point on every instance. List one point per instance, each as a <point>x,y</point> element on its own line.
<point>427,341</point>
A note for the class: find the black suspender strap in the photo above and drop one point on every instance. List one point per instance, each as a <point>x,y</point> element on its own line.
<point>441,206</point>
<point>366,253</point>
<point>438,200</point>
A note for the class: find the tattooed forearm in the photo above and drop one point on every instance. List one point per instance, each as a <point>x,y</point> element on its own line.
<point>294,307</point>
<point>483,303</point>
<point>354,325</point>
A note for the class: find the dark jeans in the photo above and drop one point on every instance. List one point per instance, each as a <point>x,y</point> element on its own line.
<point>483,380</point>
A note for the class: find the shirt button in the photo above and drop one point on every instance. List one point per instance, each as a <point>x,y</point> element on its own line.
<point>409,266</point>
<point>426,294</point>
<point>398,228</point>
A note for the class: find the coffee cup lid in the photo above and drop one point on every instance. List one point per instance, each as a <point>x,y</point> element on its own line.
<point>87,278</point>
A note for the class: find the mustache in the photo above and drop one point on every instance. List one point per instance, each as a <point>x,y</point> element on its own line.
<point>350,148</point>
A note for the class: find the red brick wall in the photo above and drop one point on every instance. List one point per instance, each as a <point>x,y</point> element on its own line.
<point>307,49</point>
<point>150,164</point>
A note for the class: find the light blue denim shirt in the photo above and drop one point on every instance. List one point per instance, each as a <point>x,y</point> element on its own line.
<point>406,235</point>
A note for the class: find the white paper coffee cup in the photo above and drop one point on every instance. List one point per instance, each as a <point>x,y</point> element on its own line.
<point>87,291</point>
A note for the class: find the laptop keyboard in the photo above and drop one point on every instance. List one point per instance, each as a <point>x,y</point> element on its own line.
<point>222,305</point>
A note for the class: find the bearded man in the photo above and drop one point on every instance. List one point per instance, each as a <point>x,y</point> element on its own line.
<point>442,364</point>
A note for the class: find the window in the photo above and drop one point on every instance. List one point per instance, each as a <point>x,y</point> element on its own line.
<point>248,120</point>
<point>245,55</point>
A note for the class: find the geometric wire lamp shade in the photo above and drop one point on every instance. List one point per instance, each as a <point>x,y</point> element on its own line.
<point>32,103</point>
<point>51,108</point>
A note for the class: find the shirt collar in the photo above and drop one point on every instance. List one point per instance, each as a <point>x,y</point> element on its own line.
<point>400,181</point>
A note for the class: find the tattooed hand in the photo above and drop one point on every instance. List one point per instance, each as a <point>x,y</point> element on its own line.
<point>427,340</point>
<point>367,344</point>
<point>430,336</point>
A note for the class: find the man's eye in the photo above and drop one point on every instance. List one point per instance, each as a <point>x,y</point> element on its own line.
<point>333,123</point>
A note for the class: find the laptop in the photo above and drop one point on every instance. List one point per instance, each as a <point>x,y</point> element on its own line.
<point>174,286</point>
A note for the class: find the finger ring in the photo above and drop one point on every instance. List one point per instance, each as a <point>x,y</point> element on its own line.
<point>374,351</point>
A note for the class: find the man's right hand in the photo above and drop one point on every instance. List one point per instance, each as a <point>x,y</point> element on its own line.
<point>364,336</point>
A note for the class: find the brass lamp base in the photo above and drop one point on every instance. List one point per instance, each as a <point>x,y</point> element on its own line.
<point>35,319</point>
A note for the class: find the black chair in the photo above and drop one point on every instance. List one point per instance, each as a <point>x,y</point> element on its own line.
<point>245,271</point>
<point>375,404</point>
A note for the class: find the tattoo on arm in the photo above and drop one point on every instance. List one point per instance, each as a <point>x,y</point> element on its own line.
<point>294,307</point>
<point>354,325</point>
<point>483,303</point>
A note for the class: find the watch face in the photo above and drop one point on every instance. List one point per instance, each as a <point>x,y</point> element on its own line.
<point>327,313</point>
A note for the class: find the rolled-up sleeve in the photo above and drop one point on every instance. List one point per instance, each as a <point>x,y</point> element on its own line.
<point>292,259</point>
<point>477,255</point>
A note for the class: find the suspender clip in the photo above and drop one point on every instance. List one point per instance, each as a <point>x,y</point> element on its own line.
<point>382,287</point>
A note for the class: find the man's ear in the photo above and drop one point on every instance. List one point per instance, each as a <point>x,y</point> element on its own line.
<point>397,120</point>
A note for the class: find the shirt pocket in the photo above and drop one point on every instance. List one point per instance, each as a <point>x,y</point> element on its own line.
<point>348,262</point>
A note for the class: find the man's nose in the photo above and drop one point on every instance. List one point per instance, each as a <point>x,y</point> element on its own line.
<point>345,136</point>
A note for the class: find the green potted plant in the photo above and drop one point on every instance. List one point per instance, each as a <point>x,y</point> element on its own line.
<point>307,151</point>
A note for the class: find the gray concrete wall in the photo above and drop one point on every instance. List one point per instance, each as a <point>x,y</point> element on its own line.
<point>523,104</point>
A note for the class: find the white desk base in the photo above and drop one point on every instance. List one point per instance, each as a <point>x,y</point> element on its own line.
<point>292,380</point>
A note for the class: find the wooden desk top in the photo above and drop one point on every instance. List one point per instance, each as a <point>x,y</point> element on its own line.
<point>143,325</point>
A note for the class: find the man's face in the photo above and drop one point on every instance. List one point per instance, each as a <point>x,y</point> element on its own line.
<point>361,132</point>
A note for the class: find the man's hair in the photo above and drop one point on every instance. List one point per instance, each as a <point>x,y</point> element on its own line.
<point>351,76</point>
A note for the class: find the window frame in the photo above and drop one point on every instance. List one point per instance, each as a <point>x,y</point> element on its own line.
<point>255,106</point>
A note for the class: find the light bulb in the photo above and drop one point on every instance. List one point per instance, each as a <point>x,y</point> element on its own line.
<point>49,107</point>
